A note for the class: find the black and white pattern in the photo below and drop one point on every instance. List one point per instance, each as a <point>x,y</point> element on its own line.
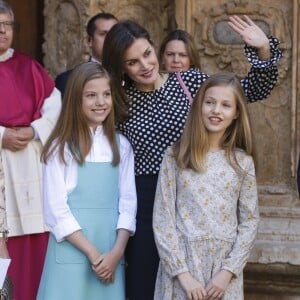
<point>156,118</point>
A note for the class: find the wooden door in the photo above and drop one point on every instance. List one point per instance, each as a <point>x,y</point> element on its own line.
<point>28,35</point>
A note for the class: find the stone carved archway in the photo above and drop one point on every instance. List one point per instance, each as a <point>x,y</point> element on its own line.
<point>275,261</point>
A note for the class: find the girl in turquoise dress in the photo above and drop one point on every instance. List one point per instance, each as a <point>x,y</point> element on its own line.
<point>89,194</point>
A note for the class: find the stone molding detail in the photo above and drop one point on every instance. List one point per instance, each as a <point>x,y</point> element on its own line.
<point>283,280</point>
<point>64,34</point>
<point>222,49</point>
<point>155,16</point>
<point>208,24</point>
<point>65,26</point>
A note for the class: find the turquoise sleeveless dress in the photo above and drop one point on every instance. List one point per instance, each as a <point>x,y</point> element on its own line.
<point>67,273</point>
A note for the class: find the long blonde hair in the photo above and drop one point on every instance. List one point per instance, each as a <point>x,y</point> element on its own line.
<point>72,128</point>
<point>190,151</point>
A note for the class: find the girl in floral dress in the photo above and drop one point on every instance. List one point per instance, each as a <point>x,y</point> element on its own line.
<point>205,214</point>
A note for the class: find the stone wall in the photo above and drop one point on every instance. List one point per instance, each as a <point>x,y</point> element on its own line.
<point>273,271</point>
<point>65,26</point>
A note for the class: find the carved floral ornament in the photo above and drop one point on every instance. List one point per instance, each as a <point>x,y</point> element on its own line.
<point>214,37</point>
<point>221,49</point>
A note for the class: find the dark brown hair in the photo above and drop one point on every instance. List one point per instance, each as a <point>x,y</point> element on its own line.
<point>121,36</point>
<point>186,38</point>
<point>91,26</point>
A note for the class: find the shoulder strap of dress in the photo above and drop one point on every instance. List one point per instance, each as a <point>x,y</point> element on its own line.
<point>186,91</point>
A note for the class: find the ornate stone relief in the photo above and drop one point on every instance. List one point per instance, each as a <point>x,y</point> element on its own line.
<point>155,16</point>
<point>214,38</point>
<point>64,34</point>
<point>220,48</point>
<point>65,26</point>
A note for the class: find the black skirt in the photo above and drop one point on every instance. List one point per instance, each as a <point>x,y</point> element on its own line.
<point>141,253</point>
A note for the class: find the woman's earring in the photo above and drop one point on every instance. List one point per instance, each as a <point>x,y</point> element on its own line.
<point>122,80</point>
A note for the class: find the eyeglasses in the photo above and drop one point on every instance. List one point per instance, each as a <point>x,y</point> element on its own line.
<point>8,25</point>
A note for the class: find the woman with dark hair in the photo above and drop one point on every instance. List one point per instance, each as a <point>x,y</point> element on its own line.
<point>178,52</point>
<point>151,111</point>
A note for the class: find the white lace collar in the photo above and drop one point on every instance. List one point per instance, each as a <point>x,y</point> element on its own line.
<point>7,54</point>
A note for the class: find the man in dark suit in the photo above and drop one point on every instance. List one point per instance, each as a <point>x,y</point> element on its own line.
<point>97,28</point>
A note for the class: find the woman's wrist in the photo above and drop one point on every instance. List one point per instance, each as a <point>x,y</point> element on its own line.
<point>227,273</point>
<point>264,52</point>
<point>118,252</point>
<point>183,275</point>
<point>94,256</point>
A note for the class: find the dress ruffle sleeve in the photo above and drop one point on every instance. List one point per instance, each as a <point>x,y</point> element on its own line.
<point>263,74</point>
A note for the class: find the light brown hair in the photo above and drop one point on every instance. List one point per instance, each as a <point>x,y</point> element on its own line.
<point>72,128</point>
<point>190,151</point>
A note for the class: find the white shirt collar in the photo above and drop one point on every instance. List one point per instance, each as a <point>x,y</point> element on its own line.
<point>98,131</point>
<point>7,54</point>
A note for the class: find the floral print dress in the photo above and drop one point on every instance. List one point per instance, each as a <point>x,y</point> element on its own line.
<point>204,222</point>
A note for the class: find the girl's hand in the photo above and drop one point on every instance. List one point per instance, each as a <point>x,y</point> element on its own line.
<point>193,289</point>
<point>251,35</point>
<point>105,277</point>
<point>218,284</point>
<point>105,266</point>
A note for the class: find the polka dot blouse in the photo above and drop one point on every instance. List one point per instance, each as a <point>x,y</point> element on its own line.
<point>156,118</point>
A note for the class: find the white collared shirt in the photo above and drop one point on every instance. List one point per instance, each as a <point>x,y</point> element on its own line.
<point>60,179</point>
